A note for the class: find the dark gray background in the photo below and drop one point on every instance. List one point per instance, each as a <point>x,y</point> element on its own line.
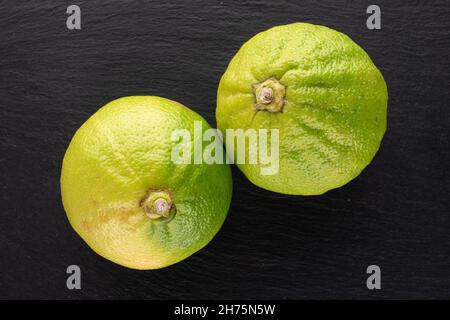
<point>395,214</point>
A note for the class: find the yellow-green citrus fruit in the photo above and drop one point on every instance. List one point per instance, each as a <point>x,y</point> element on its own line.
<point>321,91</point>
<point>125,196</point>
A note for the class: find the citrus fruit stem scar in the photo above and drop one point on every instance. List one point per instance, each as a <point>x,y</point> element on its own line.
<point>266,95</point>
<point>162,207</point>
<point>158,204</point>
<point>269,95</point>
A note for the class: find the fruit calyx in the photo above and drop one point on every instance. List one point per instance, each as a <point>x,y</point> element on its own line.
<point>269,95</point>
<point>158,204</point>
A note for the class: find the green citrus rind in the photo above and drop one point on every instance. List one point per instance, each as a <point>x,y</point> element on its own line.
<point>333,116</point>
<point>120,155</point>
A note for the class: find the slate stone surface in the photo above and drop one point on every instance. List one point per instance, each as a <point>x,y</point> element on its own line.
<point>395,214</point>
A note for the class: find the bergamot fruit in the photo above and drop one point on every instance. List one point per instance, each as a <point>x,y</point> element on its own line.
<point>125,196</point>
<point>323,94</point>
